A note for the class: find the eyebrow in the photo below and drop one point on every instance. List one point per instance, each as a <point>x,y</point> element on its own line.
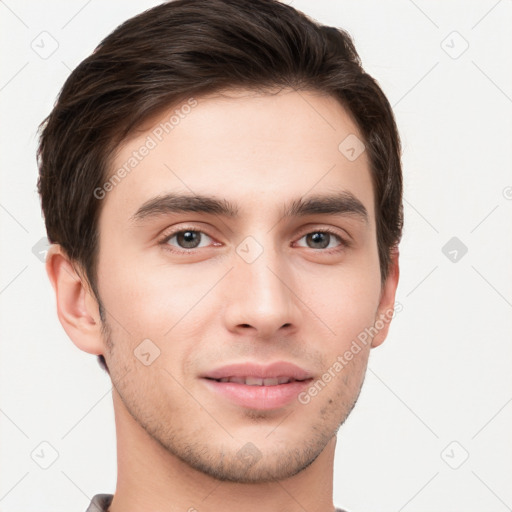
<point>342,203</point>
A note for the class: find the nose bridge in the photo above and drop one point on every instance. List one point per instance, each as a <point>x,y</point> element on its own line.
<point>261,297</point>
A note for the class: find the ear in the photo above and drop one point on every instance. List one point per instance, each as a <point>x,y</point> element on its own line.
<point>77,308</point>
<point>386,309</point>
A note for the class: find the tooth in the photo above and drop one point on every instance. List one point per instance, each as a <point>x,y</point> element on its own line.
<point>237,380</point>
<point>270,382</point>
<point>283,380</point>
<point>253,381</point>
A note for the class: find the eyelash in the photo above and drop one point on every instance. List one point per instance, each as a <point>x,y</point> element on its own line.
<point>344,243</point>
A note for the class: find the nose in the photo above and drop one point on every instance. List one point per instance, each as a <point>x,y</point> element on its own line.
<point>261,300</point>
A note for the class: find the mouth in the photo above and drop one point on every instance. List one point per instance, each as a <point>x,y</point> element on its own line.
<point>256,386</point>
<point>258,381</point>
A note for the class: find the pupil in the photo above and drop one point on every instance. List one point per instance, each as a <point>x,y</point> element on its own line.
<point>187,237</point>
<point>317,238</point>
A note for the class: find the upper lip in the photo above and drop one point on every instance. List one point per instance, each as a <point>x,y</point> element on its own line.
<point>267,371</point>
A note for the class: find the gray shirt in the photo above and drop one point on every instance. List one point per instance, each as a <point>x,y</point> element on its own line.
<point>101,502</point>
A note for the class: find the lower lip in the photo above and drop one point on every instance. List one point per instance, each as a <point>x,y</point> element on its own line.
<point>258,397</point>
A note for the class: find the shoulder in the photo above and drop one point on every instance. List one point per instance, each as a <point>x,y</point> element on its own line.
<point>101,502</point>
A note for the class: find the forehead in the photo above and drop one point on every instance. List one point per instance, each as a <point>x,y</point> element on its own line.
<point>255,150</point>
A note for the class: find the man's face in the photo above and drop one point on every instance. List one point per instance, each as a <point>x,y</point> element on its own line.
<point>203,291</point>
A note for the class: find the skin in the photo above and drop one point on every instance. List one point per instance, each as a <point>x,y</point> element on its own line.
<point>177,441</point>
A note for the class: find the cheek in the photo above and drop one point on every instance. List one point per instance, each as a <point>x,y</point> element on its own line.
<point>152,298</point>
<point>342,302</point>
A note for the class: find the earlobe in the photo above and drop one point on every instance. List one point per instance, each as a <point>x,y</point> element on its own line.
<point>386,309</point>
<point>77,309</point>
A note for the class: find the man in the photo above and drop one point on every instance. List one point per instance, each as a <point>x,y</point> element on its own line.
<point>222,188</point>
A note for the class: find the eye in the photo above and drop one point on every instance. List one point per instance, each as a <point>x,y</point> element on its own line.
<point>187,239</point>
<point>324,239</point>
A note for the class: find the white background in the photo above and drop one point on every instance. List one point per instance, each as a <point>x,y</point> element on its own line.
<point>442,376</point>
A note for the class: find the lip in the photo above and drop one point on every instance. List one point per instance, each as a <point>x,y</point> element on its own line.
<point>258,397</point>
<point>268,371</point>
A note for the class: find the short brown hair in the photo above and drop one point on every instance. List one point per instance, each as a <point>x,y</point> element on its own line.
<point>187,48</point>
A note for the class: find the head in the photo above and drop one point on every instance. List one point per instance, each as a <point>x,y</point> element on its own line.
<point>288,250</point>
